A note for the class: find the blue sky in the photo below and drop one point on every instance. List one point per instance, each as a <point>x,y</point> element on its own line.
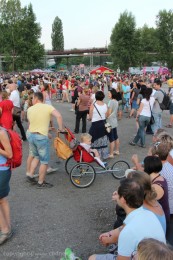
<point>89,23</point>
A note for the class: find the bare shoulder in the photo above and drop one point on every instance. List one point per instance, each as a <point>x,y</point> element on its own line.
<point>3,133</point>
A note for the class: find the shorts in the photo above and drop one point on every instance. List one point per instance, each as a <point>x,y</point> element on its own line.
<point>171,109</point>
<point>106,257</point>
<point>39,147</point>
<point>73,99</point>
<point>134,104</point>
<point>120,105</point>
<point>5,176</point>
<point>113,136</point>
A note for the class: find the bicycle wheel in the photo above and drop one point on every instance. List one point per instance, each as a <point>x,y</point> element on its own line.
<point>119,168</point>
<point>69,164</point>
<point>82,175</point>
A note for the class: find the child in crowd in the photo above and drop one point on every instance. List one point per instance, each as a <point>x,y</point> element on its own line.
<point>86,143</point>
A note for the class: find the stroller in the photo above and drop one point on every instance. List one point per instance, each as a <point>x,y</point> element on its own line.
<point>82,167</point>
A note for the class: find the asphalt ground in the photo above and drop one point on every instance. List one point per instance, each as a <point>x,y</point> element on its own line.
<point>47,221</point>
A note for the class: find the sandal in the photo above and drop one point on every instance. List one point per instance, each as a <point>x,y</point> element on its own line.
<point>111,156</point>
<point>116,152</point>
<point>5,236</point>
<point>168,126</point>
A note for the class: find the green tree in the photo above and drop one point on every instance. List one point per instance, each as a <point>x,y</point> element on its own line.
<point>124,42</point>
<point>10,20</point>
<point>148,44</point>
<point>30,49</point>
<point>19,35</point>
<point>57,37</point>
<point>164,22</point>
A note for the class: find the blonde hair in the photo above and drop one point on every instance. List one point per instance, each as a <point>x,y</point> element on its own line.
<point>86,90</point>
<point>163,145</point>
<point>119,86</point>
<point>85,137</point>
<point>159,132</point>
<point>152,249</point>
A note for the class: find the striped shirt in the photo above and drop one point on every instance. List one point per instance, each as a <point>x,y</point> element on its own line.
<point>167,173</point>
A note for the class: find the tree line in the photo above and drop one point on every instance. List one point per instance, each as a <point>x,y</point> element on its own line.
<point>129,46</point>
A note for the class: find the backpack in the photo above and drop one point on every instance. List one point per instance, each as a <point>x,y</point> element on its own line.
<point>16,146</point>
<point>166,102</point>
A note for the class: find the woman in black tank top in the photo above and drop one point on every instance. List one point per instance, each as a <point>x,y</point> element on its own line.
<point>152,166</point>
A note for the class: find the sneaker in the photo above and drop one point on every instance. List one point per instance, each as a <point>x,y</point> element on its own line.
<point>142,145</point>
<point>50,170</point>
<point>104,164</point>
<point>44,185</point>
<point>72,110</point>
<point>5,236</point>
<point>31,180</point>
<point>132,143</point>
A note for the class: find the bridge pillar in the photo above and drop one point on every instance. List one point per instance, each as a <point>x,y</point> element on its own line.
<point>100,60</point>
<point>45,61</point>
<point>91,60</point>
<point>67,62</point>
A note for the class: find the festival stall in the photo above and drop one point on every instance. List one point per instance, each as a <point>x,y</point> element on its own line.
<point>101,70</point>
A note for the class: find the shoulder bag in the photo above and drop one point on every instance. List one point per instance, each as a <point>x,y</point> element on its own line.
<point>152,121</point>
<point>108,127</point>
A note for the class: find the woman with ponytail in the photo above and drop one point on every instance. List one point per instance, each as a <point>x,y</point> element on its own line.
<point>150,198</point>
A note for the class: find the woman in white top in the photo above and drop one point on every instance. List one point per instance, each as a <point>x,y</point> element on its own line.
<point>98,113</point>
<point>143,117</point>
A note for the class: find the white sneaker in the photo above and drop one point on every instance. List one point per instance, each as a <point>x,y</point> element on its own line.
<point>50,170</point>
<point>72,110</point>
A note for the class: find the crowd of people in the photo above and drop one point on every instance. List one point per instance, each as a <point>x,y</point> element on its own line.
<point>144,199</point>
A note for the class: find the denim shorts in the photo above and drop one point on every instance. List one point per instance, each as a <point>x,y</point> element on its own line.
<point>134,104</point>
<point>39,147</point>
<point>4,183</point>
<point>113,136</point>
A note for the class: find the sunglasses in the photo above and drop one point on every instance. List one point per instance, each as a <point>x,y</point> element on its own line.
<point>156,144</point>
<point>134,255</point>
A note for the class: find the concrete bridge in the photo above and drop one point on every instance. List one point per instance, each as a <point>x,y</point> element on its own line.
<point>91,52</point>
